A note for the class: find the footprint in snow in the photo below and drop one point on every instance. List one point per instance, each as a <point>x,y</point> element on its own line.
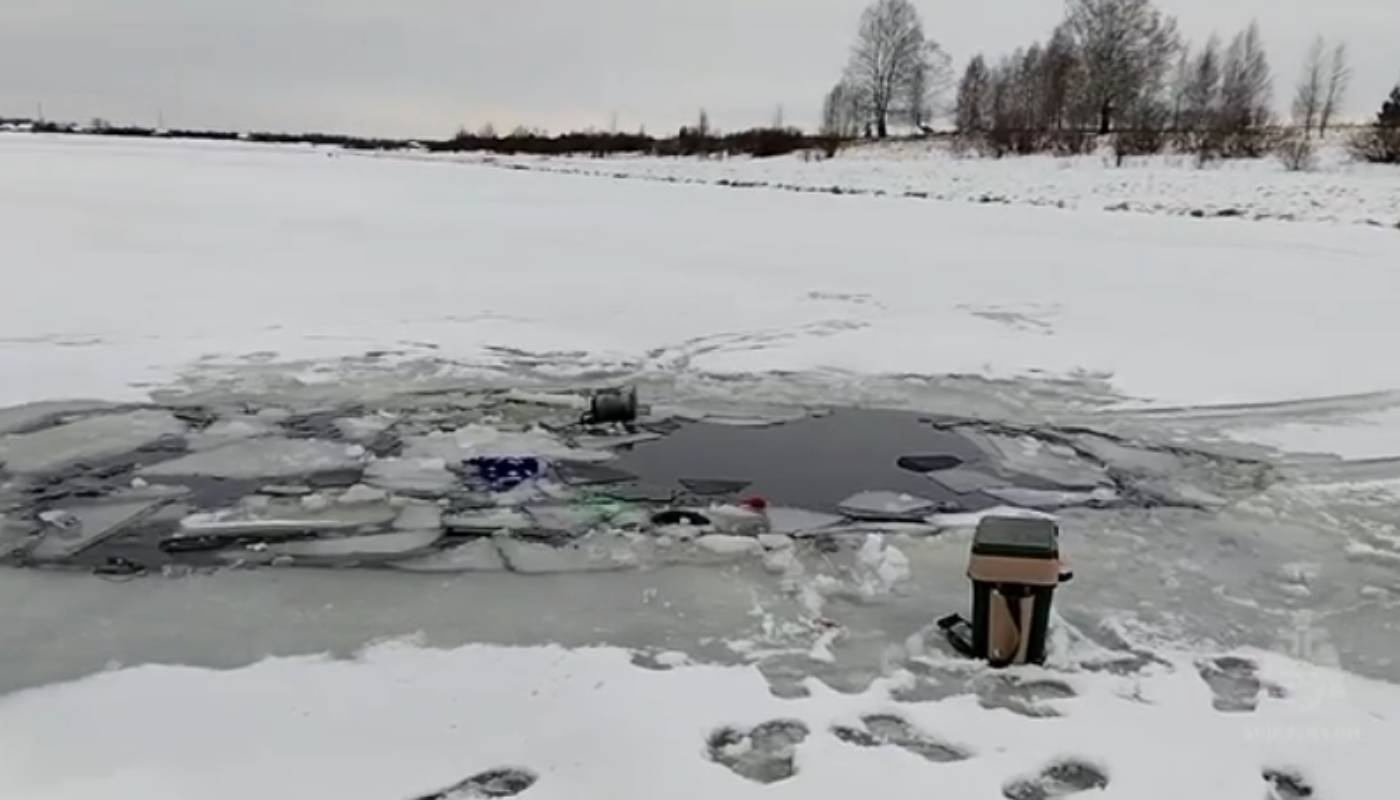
<point>763,754</point>
<point>1061,779</point>
<point>1287,784</point>
<point>1235,683</point>
<point>492,783</point>
<point>883,730</point>
<point>1021,696</point>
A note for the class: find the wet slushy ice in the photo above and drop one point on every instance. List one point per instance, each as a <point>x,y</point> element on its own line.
<point>814,543</point>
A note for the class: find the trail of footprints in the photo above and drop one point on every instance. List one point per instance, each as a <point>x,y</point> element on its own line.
<point>766,753</point>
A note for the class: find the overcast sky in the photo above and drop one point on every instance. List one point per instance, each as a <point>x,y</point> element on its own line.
<point>426,67</point>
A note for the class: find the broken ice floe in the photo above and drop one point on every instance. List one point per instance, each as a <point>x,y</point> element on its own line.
<point>69,531</point>
<point>285,519</point>
<point>262,458</point>
<point>481,441</point>
<point>476,555</point>
<point>85,440</point>
<point>423,477</point>
<point>374,544</point>
<point>462,481</point>
<point>887,506</point>
<point>30,416</point>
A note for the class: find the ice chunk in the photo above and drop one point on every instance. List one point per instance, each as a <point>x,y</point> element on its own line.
<point>94,438</point>
<point>754,422</point>
<point>966,479</point>
<point>548,399</point>
<point>723,544</point>
<point>971,519</point>
<point>375,544</point>
<point>232,429</point>
<point>364,429</point>
<point>286,519</point>
<point>882,566</point>
<point>775,541</point>
<point>799,520</point>
<point>481,441</point>
<point>1360,551</point>
<point>739,520</point>
<point>488,521</point>
<point>924,464</point>
<point>574,518</point>
<point>426,477</point>
<point>714,486</point>
<point>893,506</point>
<point>576,473</point>
<point>1050,461</point>
<point>1049,498</point>
<point>867,527</point>
<point>598,553</point>
<point>360,494</point>
<point>478,555</point>
<point>1128,458</point>
<point>260,458</point>
<point>419,517</point>
<point>286,490</point>
<point>600,442</point>
<point>31,415</point>
<point>13,536</point>
<point>91,525</point>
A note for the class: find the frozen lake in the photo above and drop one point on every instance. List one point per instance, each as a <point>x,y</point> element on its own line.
<point>317,383</point>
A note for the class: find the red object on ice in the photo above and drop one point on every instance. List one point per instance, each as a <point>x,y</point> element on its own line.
<point>756,503</point>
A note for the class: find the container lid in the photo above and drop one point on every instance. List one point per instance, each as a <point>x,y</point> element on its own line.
<point>1017,537</point>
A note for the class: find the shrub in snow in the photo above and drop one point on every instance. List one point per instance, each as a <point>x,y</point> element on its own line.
<point>1297,153</point>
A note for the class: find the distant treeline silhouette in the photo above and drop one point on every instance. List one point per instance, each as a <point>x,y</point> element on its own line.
<point>689,141</point>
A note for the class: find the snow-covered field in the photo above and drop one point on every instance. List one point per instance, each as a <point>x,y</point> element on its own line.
<point>218,271</point>
<point>1336,190</point>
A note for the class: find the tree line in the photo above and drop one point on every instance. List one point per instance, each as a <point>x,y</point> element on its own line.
<point>700,139</point>
<point>1116,68</point>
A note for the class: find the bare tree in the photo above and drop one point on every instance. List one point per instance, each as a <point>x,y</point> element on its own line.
<point>702,125</point>
<point>843,112</point>
<point>1126,47</point>
<point>891,60</point>
<point>1308,97</point>
<point>1246,83</point>
<point>1180,87</point>
<point>970,113</point>
<point>1199,129</point>
<point>929,87</point>
<point>1203,88</point>
<point>1062,78</point>
<point>1338,80</point>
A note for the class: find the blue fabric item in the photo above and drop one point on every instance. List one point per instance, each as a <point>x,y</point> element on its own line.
<point>506,473</point>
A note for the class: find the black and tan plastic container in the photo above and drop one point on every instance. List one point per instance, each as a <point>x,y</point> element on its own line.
<point>1015,568</point>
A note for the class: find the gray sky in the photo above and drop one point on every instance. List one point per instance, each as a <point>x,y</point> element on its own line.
<point>425,67</point>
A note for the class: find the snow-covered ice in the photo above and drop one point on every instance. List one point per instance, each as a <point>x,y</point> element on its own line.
<point>478,269</point>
